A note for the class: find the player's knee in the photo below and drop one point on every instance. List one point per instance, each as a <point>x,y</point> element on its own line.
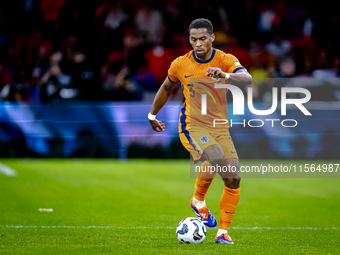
<point>233,182</point>
<point>231,179</point>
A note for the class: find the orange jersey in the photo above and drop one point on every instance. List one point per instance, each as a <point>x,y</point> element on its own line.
<point>191,72</point>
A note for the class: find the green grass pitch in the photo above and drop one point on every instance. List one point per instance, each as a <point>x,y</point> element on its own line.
<point>133,207</point>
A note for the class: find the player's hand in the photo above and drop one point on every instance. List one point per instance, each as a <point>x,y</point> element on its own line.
<point>157,125</point>
<point>215,72</point>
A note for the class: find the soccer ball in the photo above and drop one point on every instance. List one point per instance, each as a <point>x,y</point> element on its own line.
<point>191,230</point>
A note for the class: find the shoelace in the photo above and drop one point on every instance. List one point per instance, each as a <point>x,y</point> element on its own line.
<point>205,212</point>
<point>226,236</point>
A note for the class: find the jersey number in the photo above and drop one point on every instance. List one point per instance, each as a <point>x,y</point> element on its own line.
<point>192,92</point>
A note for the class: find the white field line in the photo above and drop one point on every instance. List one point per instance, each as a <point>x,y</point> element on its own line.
<point>6,170</point>
<point>160,227</point>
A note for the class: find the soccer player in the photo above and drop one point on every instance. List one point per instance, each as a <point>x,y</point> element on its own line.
<point>198,71</point>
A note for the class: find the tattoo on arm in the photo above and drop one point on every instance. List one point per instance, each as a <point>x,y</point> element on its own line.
<point>168,87</point>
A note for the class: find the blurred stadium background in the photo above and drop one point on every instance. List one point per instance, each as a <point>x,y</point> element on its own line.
<point>77,80</point>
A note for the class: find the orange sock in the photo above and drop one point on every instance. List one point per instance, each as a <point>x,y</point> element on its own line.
<point>228,205</point>
<point>202,182</point>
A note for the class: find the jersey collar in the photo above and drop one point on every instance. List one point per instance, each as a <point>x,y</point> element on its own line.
<point>204,61</point>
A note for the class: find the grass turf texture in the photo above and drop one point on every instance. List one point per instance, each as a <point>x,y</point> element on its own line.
<point>137,204</point>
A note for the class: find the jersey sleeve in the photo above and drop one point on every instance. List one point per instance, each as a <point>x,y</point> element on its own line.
<point>172,72</point>
<point>232,63</point>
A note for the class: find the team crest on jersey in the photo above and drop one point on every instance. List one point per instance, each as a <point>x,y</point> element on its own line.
<point>204,139</point>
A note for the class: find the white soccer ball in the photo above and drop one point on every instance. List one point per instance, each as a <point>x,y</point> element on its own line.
<point>191,230</point>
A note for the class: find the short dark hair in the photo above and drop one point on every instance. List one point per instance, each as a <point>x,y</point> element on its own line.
<point>201,23</point>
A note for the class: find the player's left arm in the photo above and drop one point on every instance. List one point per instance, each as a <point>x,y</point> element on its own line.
<point>240,77</point>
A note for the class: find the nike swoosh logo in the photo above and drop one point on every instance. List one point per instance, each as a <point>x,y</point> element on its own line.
<point>187,76</point>
<point>233,152</point>
<point>228,212</point>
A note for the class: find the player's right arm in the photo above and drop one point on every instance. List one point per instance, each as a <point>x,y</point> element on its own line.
<point>161,98</point>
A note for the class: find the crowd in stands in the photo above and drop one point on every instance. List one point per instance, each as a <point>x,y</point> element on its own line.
<point>52,50</point>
